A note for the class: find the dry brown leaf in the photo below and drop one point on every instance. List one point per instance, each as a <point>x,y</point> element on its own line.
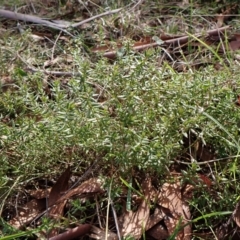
<point>36,38</point>
<point>220,20</point>
<point>158,232</point>
<point>93,185</point>
<point>156,217</point>
<point>236,214</point>
<point>170,197</point>
<point>234,45</point>
<point>56,212</point>
<point>28,212</point>
<point>184,3</point>
<point>97,233</point>
<point>6,83</point>
<point>64,38</point>
<point>59,187</point>
<point>51,62</point>
<point>68,58</point>
<point>205,180</point>
<point>76,232</point>
<point>218,66</point>
<point>57,191</point>
<point>134,223</point>
<point>154,228</point>
<point>40,193</point>
<point>236,36</point>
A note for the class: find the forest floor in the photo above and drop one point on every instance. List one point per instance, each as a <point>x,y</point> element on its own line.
<point>119,119</point>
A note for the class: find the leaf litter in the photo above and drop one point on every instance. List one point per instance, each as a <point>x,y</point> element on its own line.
<point>171,210</point>
<point>54,204</point>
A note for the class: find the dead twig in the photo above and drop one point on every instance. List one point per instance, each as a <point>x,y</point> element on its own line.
<point>54,46</point>
<point>205,162</point>
<point>73,233</point>
<point>53,73</point>
<point>55,24</point>
<point>52,24</point>
<point>137,4</point>
<point>95,17</point>
<point>34,19</point>
<point>176,41</point>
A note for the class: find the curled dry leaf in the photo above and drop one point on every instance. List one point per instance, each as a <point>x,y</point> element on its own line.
<point>56,212</point>
<point>36,38</point>
<point>92,185</point>
<point>6,83</point>
<point>51,62</point>
<point>220,20</point>
<point>234,45</point>
<point>134,223</point>
<point>28,212</point>
<point>171,198</point>
<point>61,197</point>
<point>76,232</point>
<point>157,230</point>
<point>59,187</point>
<point>155,218</point>
<point>236,214</point>
<point>97,233</point>
<point>40,193</point>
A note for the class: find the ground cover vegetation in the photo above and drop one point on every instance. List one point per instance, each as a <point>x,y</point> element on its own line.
<point>125,126</point>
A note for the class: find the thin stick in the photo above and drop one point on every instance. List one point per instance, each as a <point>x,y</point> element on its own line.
<point>95,17</point>
<point>180,40</point>
<point>55,73</point>
<point>137,4</point>
<point>30,18</point>
<point>54,45</point>
<point>115,219</point>
<point>206,162</point>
